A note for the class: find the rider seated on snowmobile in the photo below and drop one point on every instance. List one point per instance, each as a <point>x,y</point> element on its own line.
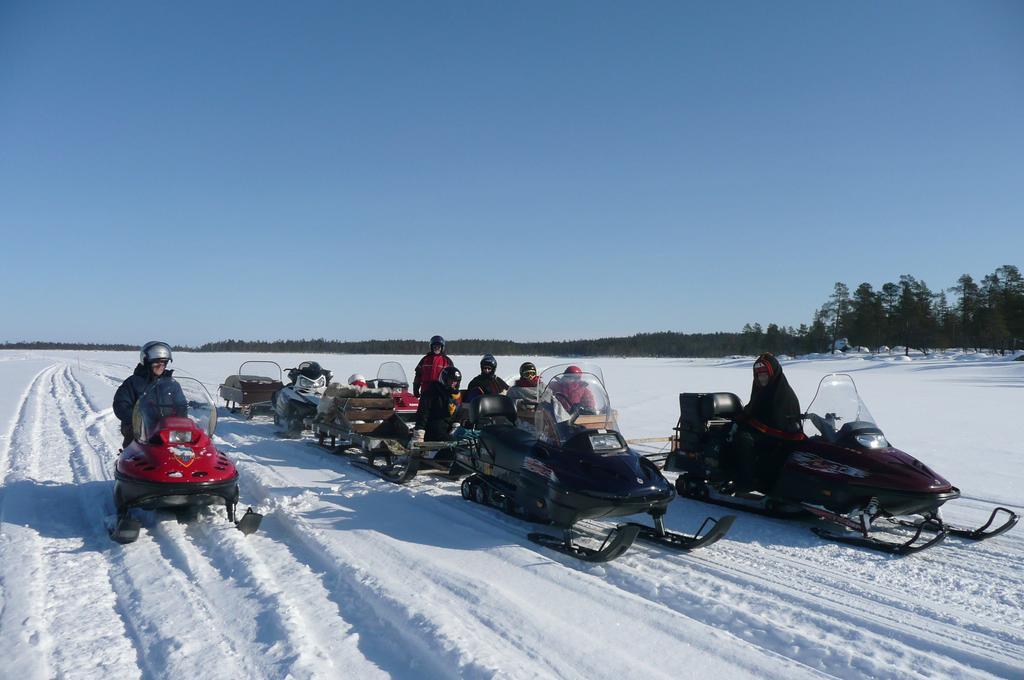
<point>435,417</point>
<point>153,359</point>
<point>527,388</point>
<point>771,417</point>
<point>487,383</point>
<point>429,368</point>
<point>572,392</point>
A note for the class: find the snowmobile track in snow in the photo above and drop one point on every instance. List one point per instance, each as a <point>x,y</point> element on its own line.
<point>352,576</point>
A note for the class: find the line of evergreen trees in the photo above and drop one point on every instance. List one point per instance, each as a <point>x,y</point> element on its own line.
<point>908,313</point>
<point>905,313</point>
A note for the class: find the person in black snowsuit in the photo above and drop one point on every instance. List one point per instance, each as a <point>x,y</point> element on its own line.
<point>435,417</point>
<point>487,383</point>
<point>769,420</point>
<point>153,359</point>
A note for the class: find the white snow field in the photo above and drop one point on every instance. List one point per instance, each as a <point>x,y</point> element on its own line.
<point>353,577</point>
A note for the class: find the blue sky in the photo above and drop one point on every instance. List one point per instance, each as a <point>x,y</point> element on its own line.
<point>198,171</point>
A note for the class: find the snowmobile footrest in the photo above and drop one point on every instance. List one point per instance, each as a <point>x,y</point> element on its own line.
<point>617,542</point>
<point>126,530</point>
<point>670,539</point>
<point>398,475</point>
<point>906,548</point>
<point>250,522</point>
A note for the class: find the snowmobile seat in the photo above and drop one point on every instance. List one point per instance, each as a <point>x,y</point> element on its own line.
<point>720,405</point>
<point>492,409</point>
<point>508,443</point>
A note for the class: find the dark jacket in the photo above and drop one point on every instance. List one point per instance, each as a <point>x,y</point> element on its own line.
<point>428,370</point>
<point>774,406</point>
<point>436,412</point>
<point>130,391</point>
<point>485,383</point>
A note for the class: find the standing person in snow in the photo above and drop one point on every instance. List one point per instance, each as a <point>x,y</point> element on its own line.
<point>571,390</point>
<point>430,366</point>
<point>435,417</point>
<point>771,417</point>
<point>153,359</point>
<point>487,383</point>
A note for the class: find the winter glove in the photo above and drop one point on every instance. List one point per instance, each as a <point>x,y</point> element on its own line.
<point>418,435</point>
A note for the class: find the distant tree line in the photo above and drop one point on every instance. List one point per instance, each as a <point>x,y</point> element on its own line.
<point>905,313</point>
<point>969,315</point>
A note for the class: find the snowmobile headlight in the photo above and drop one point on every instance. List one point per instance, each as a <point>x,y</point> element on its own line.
<point>179,437</point>
<point>605,442</point>
<point>872,441</point>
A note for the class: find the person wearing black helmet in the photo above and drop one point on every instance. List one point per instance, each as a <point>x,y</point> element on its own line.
<point>526,389</point>
<point>430,366</point>
<point>487,382</point>
<point>153,359</point>
<point>435,417</point>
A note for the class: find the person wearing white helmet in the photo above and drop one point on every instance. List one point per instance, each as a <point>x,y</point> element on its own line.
<point>153,359</point>
<point>357,380</point>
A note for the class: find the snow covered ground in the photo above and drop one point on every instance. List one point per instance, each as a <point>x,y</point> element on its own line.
<point>353,577</point>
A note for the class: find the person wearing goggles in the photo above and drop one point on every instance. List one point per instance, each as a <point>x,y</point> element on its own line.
<point>525,392</point>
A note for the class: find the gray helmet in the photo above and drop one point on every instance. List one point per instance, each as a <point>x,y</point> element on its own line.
<point>154,350</point>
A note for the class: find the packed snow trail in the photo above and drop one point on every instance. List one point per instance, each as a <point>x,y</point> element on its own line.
<point>351,576</point>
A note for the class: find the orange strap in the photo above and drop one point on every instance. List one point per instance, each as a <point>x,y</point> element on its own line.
<point>781,434</point>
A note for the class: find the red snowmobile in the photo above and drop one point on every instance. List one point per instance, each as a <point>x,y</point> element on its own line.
<point>172,463</point>
<point>841,469</point>
<point>390,374</point>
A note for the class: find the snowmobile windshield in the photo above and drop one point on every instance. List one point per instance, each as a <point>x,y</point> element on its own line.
<point>391,374</point>
<point>305,384</point>
<point>167,397</point>
<point>571,401</point>
<point>262,368</point>
<point>836,404</point>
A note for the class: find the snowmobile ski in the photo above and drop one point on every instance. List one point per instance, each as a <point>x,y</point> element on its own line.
<point>615,544</point>
<point>678,541</point>
<point>907,547</point>
<point>126,529</point>
<point>250,522</point>
<point>979,534</point>
<point>397,469</point>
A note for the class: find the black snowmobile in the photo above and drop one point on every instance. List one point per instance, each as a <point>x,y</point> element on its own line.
<point>841,469</point>
<point>296,403</point>
<point>570,464</point>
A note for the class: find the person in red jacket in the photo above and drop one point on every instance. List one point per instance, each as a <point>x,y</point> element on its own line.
<point>571,390</point>
<point>429,368</point>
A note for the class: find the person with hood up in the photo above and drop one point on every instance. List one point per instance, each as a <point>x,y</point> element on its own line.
<point>435,417</point>
<point>430,366</point>
<point>153,359</point>
<point>487,383</point>
<point>770,417</point>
